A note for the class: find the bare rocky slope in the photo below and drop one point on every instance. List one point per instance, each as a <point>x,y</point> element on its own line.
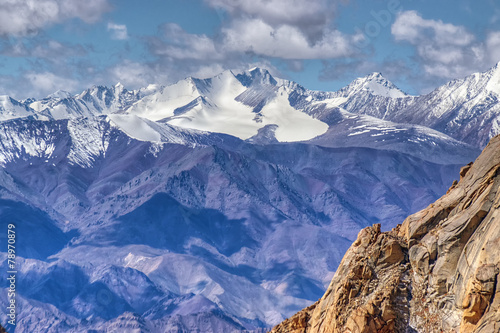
<point>437,272</point>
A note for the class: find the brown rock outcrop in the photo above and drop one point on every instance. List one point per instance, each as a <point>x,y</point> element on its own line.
<point>368,293</point>
<point>437,272</point>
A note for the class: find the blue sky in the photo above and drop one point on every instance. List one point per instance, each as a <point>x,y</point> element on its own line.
<point>49,45</point>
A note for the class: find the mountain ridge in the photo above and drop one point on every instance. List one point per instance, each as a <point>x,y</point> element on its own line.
<point>472,114</point>
<point>432,273</point>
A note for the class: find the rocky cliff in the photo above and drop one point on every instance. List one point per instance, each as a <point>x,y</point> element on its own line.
<point>437,272</point>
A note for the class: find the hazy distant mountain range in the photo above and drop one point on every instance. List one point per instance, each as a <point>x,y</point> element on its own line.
<point>219,204</point>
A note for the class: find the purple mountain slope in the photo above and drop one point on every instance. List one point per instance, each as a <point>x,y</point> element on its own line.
<point>130,218</point>
<point>147,226</point>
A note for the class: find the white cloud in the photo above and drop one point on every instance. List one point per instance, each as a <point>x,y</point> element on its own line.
<point>279,11</point>
<point>178,44</point>
<point>445,50</point>
<point>410,26</point>
<point>286,29</point>
<point>22,17</point>
<point>252,37</point>
<point>118,31</point>
<point>285,41</point>
<point>310,17</point>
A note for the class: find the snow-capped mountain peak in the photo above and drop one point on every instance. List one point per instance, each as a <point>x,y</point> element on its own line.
<point>473,86</point>
<point>239,105</point>
<point>375,76</point>
<point>376,84</point>
<point>10,108</point>
<point>242,104</point>
<point>256,76</point>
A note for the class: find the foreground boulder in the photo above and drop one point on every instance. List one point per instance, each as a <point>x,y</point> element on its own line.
<point>437,272</point>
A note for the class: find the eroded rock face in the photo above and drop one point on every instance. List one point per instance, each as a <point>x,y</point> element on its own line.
<point>369,293</point>
<point>437,272</point>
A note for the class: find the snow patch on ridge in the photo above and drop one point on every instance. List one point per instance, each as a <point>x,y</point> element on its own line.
<point>135,127</point>
<point>11,109</point>
<point>376,85</point>
<point>21,143</point>
<point>224,114</point>
<point>162,104</point>
<point>380,89</point>
<point>293,125</point>
<point>89,141</point>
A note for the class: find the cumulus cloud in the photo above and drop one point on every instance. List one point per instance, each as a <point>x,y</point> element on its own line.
<point>445,50</point>
<point>284,29</point>
<point>285,41</point>
<point>310,17</point>
<point>176,43</point>
<point>22,17</point>
<point>411,27</point>
<point>118,31</point>
<point>250,37</point>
